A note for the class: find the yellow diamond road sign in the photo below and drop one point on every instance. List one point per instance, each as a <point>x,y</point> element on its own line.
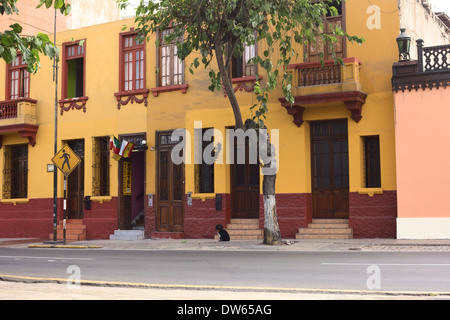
<point>66,160</point>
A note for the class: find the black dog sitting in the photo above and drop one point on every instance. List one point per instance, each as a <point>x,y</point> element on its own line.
<point>223,234</point>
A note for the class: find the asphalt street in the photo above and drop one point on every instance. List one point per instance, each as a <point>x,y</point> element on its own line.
<point>236,270</point>
<point>406,271</point>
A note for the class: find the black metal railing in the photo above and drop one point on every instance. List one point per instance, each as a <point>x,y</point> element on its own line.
<point>433,59</point>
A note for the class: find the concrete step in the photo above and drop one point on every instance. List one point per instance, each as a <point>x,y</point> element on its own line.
<point>326,229</point>
<point>75,230</point>
<point>243,229</point>
<point>127,235</point>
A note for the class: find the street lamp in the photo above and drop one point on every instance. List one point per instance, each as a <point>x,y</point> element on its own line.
<point>404,45</point>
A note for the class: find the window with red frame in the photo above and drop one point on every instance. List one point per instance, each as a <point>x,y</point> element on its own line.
<point>133,63</point>
<point>73,70</point>
<point>18,82</point>
<point>170,66</point>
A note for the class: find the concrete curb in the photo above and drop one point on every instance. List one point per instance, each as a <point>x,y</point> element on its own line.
<point>63,246</point>
<point>95,283</point>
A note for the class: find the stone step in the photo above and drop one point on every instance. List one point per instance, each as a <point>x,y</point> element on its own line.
<point>241,232</point>
<point>323,236</point>
<point>243,229</point>
<point>75,230</point>
<point>326,229</point>
<point>243,221</point>
<point>333,221</point>
<point>127,235</point>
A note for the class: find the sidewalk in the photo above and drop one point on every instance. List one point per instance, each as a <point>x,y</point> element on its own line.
<point>252,245</point>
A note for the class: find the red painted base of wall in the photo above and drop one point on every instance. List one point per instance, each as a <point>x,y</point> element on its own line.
<point>373,217</point>
<point>27,220</point>
<point>102,219</point>
<point>370,217</point>
<point>35,219</point>
<point>294,211</point>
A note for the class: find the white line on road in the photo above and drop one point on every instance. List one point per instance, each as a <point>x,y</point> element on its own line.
<point>387,264</point>
<point>53,258</point>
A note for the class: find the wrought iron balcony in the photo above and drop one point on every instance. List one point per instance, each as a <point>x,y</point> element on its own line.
<point>430,70</point>
<point>19,116</point>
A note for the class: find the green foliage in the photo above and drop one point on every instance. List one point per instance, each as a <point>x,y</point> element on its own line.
<point>219,29</point>
<point>30,46</point>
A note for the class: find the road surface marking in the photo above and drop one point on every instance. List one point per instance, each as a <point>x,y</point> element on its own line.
<point>51,258</point>
<point>387,264</point>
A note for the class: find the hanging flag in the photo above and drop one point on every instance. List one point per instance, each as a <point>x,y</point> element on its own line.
<point>114,145</point>
<point>126,148</point>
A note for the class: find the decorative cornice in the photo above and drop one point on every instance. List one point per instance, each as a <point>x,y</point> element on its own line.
<point>132,96</point>
<point>409,75</point>
<point>68,104</point>
<point>246,84</point>
<point>353,100</point>
<point>25,130</point>
<point>182,87</point>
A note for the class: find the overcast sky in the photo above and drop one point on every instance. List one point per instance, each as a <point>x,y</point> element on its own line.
<point>441,6</point>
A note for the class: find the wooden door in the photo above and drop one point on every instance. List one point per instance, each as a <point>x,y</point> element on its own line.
<point>75,183</point>
<point>244,188</point>
<point>170,188</point>
<point>330,169</point>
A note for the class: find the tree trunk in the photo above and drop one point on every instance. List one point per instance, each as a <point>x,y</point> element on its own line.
<point>226,81</point>
<point>272,234</point>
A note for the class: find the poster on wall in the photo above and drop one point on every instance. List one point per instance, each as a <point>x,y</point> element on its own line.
<point>127,178</point>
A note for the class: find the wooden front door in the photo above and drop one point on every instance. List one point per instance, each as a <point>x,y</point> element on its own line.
<point>75,183</point>
<point>330,170</point>
<point>170,187</point>
<point>244,188</point>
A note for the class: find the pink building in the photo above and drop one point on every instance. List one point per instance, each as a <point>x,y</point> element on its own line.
<point>422,133</point>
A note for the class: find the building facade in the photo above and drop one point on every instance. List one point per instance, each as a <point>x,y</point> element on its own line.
<point>422,99</point>
<point>336,144</point>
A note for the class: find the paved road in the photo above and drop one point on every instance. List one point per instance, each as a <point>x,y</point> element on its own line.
<point>354,270</point>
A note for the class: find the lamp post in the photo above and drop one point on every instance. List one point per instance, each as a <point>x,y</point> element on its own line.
<point>404,45</point>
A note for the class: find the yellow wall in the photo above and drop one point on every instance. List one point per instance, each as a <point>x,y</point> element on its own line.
<point>173,110</point>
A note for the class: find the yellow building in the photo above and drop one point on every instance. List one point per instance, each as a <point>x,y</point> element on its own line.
<point>336,143</point>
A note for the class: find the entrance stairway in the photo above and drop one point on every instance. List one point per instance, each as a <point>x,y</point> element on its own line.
<point>243,229</point>
<point>326,229</point>
<point>75,230</point>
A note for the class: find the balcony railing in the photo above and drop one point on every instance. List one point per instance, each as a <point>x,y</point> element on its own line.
<point>19,116</point>
<point>433,59</point>
<point>314,74</point>
<point>339,77</point>
<point>430,70</point>
<point>18,111</point>
<point>8,110</point>
<point>316,83</point>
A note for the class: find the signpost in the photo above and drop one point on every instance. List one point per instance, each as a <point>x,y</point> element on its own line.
<point>66,160</point>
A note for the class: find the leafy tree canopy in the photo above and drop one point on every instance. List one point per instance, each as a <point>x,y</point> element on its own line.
<point>219,29</point>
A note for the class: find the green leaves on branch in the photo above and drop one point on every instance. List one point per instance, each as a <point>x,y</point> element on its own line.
<point>30,47</point>
<point>63,7</point>
<point>221,29</point>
